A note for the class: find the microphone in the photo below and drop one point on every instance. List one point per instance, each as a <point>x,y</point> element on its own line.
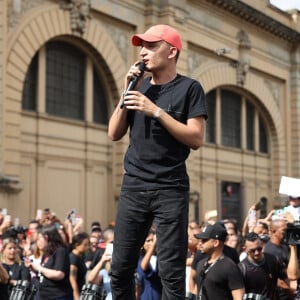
<point>133,81</point>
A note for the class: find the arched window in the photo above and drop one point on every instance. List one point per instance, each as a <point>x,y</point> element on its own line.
<point>68,71</point>
<point>237,123</point>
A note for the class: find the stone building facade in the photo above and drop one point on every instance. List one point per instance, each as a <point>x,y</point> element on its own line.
<point>62,64</point>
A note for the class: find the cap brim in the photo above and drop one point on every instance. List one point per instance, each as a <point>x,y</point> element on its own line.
<point>137,39</point>
<point>201,236</point>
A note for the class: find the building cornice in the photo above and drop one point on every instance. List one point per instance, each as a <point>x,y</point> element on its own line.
<point>259,19</point>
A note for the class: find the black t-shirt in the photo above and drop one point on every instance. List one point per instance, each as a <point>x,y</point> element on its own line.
<point>16,272</point>
<point>53,289</point>
<point>281,252</point>
<point>220,279</point>
<point>262,278</point>
<point>96,257</point>
<point>78,261</point>
<point>155,159</point>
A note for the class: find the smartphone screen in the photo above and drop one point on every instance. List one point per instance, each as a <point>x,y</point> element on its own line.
<point>109,249</point>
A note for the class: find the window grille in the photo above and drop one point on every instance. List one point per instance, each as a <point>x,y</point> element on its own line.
<point>65,70</point>
<point>29,95</point>
<point>231,119</point>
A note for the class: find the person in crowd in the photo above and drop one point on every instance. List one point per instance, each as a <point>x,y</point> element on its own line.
<point>193,224</point>
<point>36,258</point>
<point>166,115</point>
<point>100,273</point>
<point>91,251</point>
<point>148,282</point>
<point>261,228</point>
<point>5,221</point>
<point>231,226</point>
<point>278,248</point>
<point>4,277</point>
<point>217,276</point>
<point>234,238</point>
<point>32,233</point>
<point>107,237</point>
<point>12,262</point>
<point>192,249</point>
<point>54,269</point>
<point>22,241</point>
<point>199,255</point>
<point>260,270</point>
<point>293,271</point>
<point>80,245</point>
<point>96,231</point>
<point>294,207</point>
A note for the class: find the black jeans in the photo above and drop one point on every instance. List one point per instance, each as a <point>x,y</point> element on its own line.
<point>168,210</point>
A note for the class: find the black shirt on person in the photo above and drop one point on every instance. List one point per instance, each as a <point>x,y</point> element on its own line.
<point>78,261</point>
<point>155,159</point>
<point>16,272</point>
<point>51,289</point>
<point>219,279</point>
<point>262,278</point>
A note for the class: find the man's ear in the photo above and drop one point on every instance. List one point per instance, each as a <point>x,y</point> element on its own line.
<point>216,243</point>
<point>173,52</point>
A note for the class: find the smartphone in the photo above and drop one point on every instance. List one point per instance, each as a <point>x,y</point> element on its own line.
<point>7,218</point>
<point>109,249</point>
<point>278,214</point>
<point>4,212</point>
<point>16,222</point>
<point>39,214</point>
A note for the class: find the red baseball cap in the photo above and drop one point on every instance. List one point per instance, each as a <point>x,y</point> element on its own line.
<point>157,33</point>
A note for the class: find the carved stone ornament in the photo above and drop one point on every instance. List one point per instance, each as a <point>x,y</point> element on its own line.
<point>243,64</point>
<point>79,13</point>
<point>17,8</point>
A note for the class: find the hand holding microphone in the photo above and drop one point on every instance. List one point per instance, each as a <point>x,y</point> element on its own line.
<point>132,83</point>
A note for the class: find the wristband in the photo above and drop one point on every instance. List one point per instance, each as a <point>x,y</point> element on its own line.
<point>157,113</point>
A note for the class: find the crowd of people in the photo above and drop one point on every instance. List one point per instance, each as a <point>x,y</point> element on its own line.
<point>52,259</point>
<point>224,260</point>
<point>258,260</point>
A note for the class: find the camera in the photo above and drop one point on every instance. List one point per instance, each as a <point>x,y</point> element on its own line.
<point>292,234</point>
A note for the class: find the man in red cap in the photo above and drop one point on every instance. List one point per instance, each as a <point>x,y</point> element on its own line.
<point>166,114</point>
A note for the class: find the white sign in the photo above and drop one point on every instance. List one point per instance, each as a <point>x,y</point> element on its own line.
<point>290,186</point>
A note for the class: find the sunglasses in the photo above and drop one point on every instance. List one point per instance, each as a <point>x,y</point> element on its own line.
<point>203,241</point>
<point>255,249</point>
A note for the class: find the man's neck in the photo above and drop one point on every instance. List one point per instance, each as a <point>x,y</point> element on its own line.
<point>163,77</point>
<point>276,241</point>
<point>215,255</point>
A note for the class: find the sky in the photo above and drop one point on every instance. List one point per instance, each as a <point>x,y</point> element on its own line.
<point>286,4</point>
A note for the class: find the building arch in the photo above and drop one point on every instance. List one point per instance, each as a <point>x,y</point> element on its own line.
<point>220,74</point>
<point>91,159</point>
<point>38,27</point>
